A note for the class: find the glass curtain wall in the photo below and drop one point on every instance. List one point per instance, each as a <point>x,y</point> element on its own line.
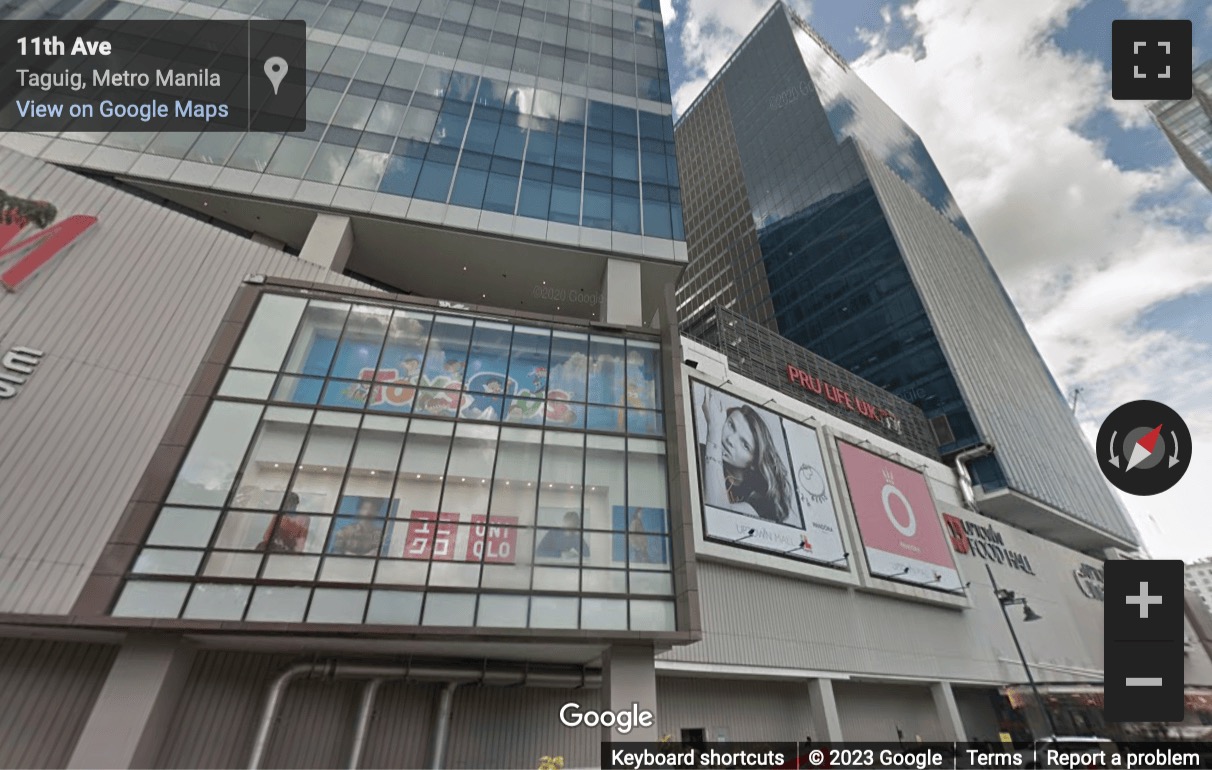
<point>372,464</point>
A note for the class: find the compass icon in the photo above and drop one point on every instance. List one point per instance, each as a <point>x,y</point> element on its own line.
<point>1144,447</point>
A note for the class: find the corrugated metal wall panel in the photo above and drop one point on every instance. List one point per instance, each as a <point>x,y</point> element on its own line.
<point>315,725</point>
<point>480,738</point>
<point>873,712</point>
<point>49,689</point>
<point>748,711</point>
<point>124,317</point>
<point>399,730</point>
<point>218,710</point>
<point>223,696</point>
<point>1008,387</point>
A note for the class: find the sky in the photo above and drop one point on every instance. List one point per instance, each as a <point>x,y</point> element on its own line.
<point>1101,237</point>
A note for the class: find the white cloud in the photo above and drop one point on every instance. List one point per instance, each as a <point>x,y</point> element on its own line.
<point>1075,238</point>
<point>669,14</point>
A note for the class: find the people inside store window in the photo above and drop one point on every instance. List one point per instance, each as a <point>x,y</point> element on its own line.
<point>359,535</point>
<point>287,533</point>
<point>638,538</point>
<point>744,471</point>
<point>565,543</point>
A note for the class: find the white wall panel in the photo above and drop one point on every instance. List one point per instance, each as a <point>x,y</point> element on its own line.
<point>758,619</point>
<point>873,712</point>
<point>124,315</point>
<point>976,709</point>
<point>747,710</point>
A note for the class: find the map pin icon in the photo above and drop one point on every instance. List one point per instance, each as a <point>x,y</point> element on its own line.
<point>275,70</point>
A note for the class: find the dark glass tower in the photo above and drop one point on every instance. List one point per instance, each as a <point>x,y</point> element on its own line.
<point>1188,124</point>
<point>812,208</point>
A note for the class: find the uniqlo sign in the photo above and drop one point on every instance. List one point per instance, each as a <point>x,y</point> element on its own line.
<point>22,257</point>
<point>493,543</point>
<point>431,536</point>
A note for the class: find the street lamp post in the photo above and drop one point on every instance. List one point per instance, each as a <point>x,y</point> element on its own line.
<point>1005,599</point>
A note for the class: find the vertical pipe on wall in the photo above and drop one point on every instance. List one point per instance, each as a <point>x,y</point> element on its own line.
<point>366,707</point>
<point>441,726</point>
<point>269,712</point>
<point>965,476</point>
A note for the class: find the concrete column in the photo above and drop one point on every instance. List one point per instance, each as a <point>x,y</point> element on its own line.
<point>621,293</point>
<point>826,724</point>
<point>329,242</point>
<point>948,712</point>
<point>629,677</point>
<point>134,710</point>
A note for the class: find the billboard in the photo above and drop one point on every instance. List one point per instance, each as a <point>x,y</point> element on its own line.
<point>451,366</point>
<point>897,521</point>
<point>762,472</point>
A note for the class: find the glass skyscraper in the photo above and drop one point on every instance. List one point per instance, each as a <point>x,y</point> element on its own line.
<point>537,120</point>
<point>1188,124</point>
<point>814,210</point>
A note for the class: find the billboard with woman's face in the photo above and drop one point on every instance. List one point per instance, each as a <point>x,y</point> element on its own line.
<point>762,472</point>
<point>897,520</point>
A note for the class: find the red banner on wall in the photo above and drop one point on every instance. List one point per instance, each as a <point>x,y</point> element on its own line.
<point>431,537</point>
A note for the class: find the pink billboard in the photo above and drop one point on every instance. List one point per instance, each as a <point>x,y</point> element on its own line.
<point>897,521</point>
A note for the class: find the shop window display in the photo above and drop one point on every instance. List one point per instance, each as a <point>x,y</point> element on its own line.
<point>366,464</point>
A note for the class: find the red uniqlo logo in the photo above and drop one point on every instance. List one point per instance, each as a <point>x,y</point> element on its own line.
<point>37,249</point>
<point>959,538</point>
<point>428,534</point>
<point>492,544</point>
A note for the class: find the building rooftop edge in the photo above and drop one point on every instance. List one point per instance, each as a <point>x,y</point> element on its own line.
<point>728,62</point>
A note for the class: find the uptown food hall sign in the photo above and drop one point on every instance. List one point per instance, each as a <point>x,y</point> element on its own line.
<point>1089,581</point>
<point>986,542</point>
<point>843,398</point>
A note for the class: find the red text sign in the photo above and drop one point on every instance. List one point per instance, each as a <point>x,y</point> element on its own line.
<point>492,544</point>
<point>959,538</point>
<point>37,249</point>
<point>841,397</point>
<point>430,535</point>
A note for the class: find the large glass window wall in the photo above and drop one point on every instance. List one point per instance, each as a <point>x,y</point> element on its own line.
<point>532,143</point>
<point>367,464</point>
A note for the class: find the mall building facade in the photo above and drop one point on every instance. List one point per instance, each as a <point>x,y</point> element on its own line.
<point>322,452</point>
<point>258,513</point>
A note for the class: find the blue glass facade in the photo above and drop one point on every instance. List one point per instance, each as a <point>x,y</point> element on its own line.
<point>791,163</point>
<point>836,278</point>
<point>557,110</point>
<point>862,311</point>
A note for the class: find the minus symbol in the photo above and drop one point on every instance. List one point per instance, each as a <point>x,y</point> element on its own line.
<point>1143,681</point>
